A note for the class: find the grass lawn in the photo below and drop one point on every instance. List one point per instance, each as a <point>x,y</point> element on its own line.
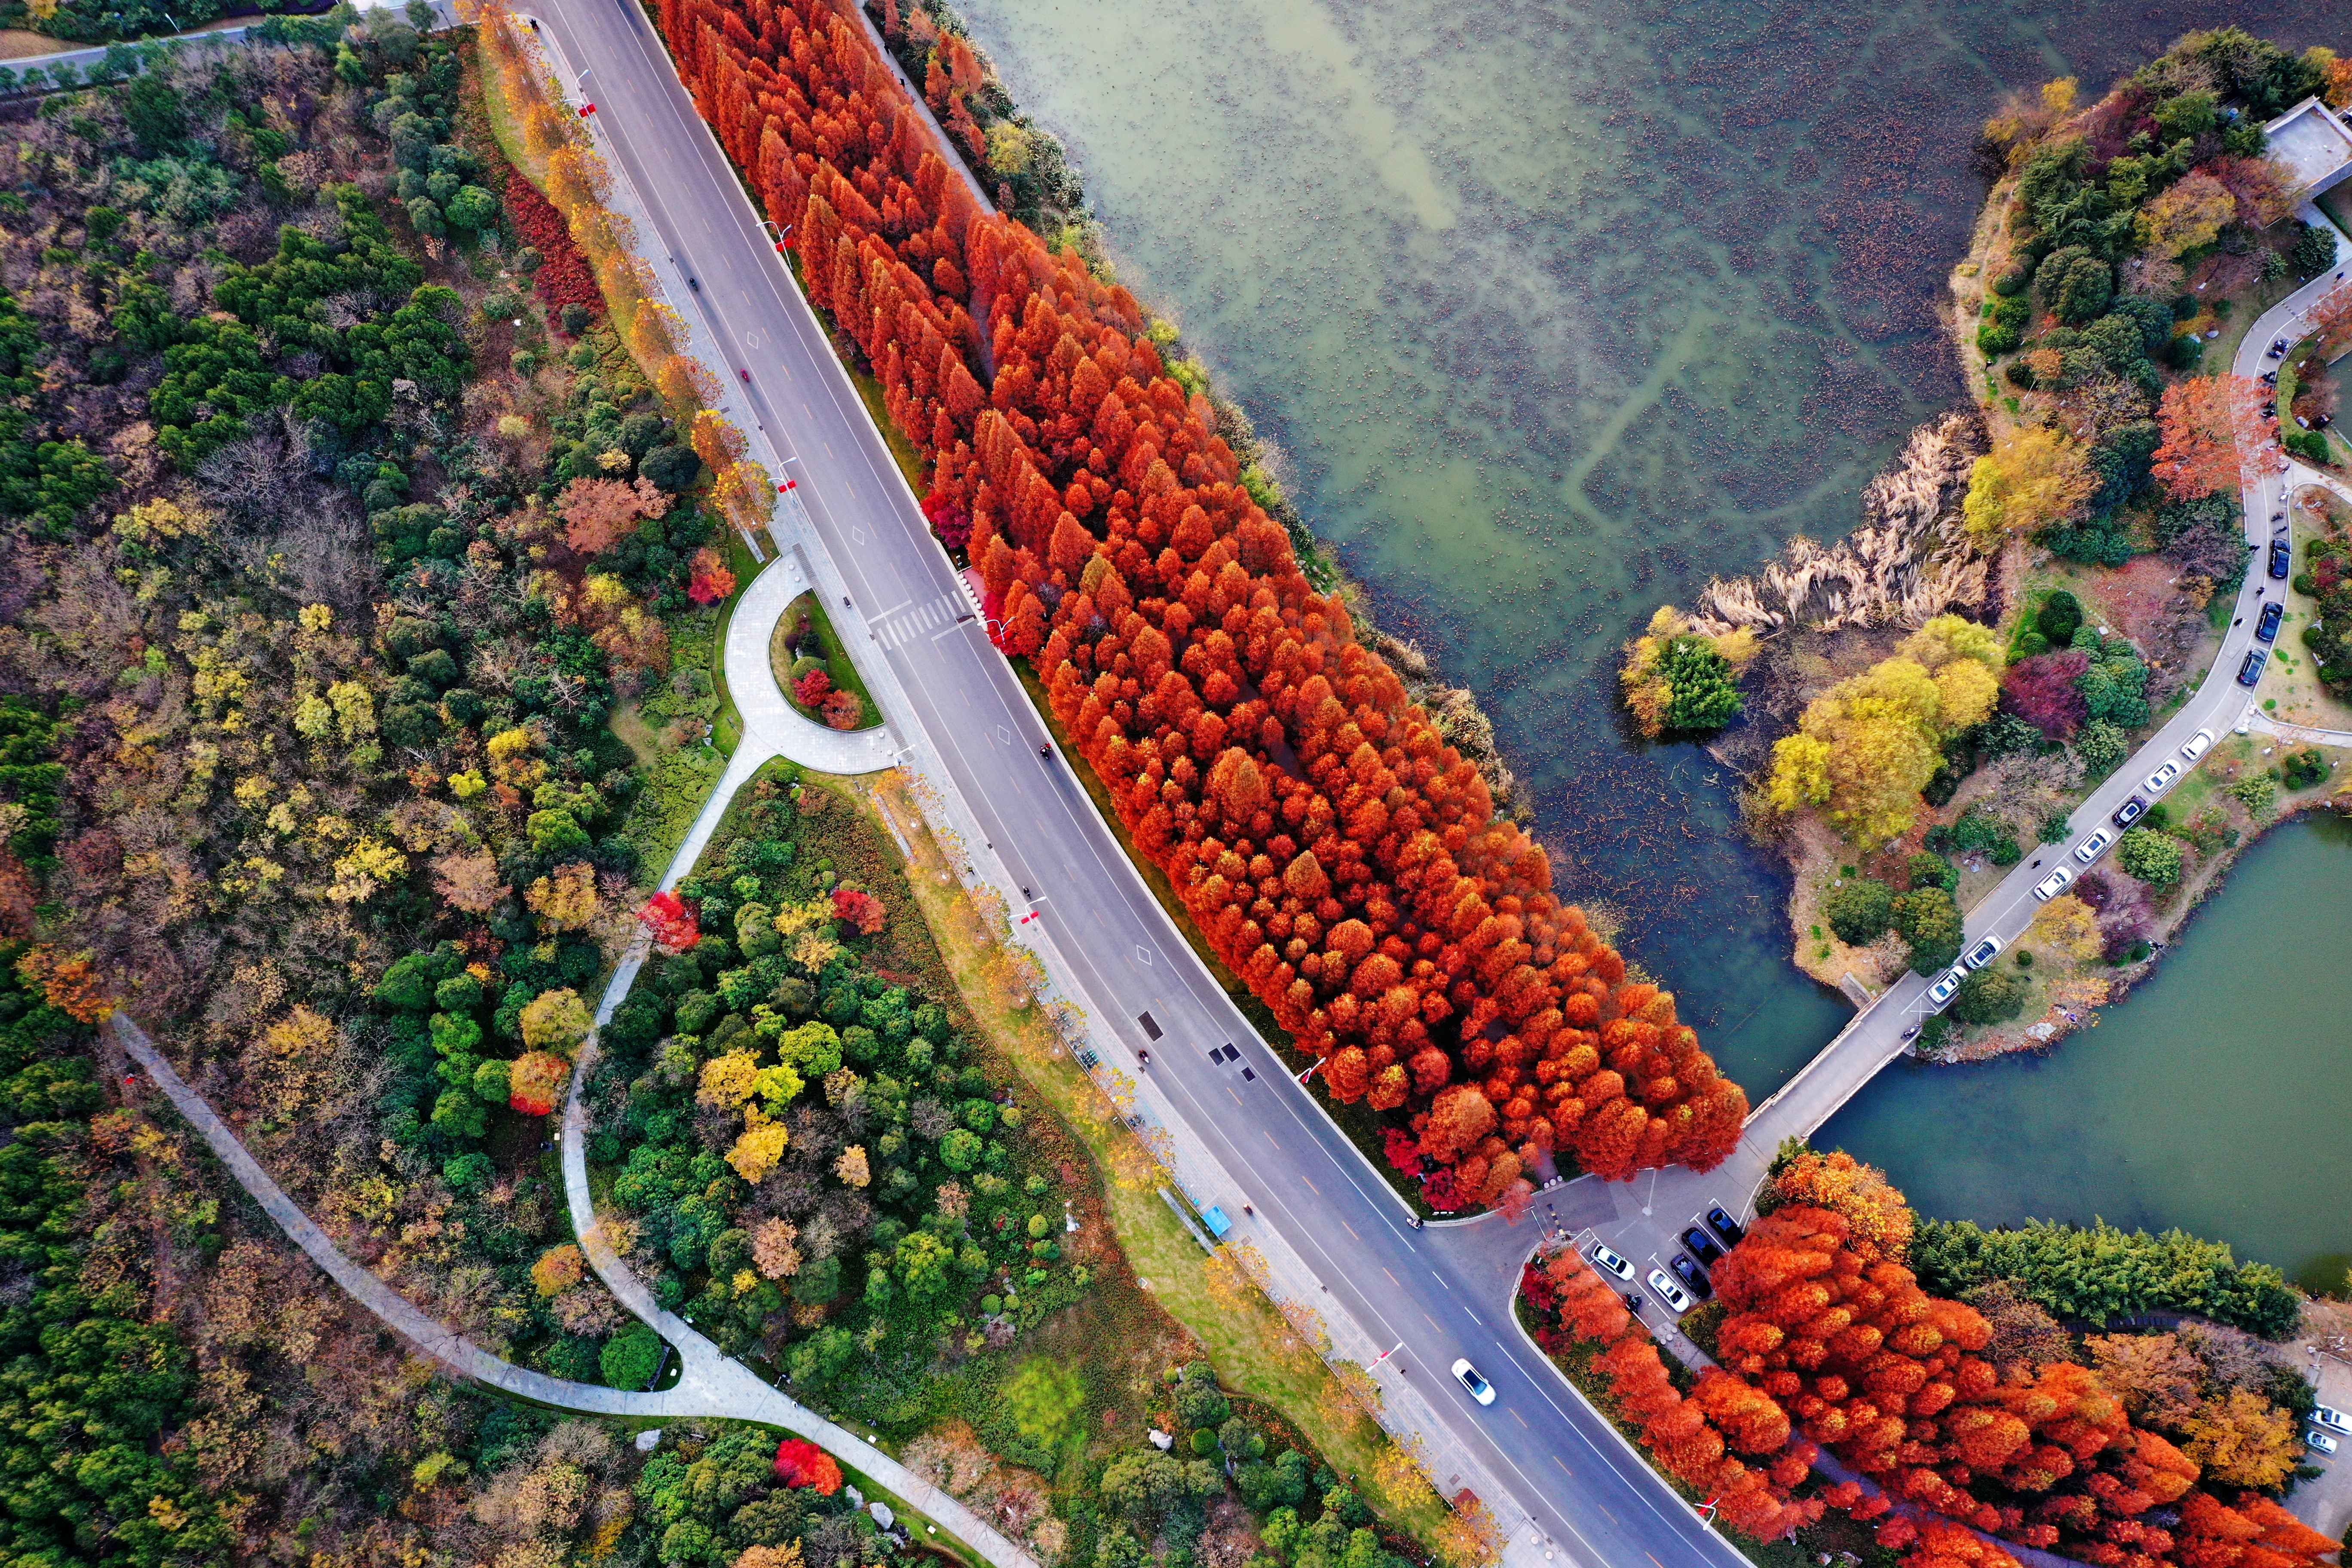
<point>805,620</point>
<point>727,728</point>
<point>1256,1353</point>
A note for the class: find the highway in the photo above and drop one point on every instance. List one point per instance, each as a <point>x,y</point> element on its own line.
<point>1590,1499</point>
<point>1576,1488</point>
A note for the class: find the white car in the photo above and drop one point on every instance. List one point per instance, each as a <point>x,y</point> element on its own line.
<point>2195,747</point>
<point>1468,1376</point>
<point>1939,994</point>
<point>1982,953</point>
<point>2053,884</point>
<point>1672,1294</point>
<point>2328,1416</point>
<point>1611,1262</point>
<point>2319,1441</point>
<point>2162,779</point>
<point>2094,846</point>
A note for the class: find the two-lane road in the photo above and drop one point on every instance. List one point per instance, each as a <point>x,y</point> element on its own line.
<point>1589,1497</point>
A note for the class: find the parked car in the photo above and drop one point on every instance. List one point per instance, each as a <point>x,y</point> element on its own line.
<point>1981,954</point>
<point>2163,779</point>
<point>1939,994</point>
<point>2194,747</point>
<point>1468,1376</point>
<point>1611,1262</point>
<point>2319,1441</point>
<point>2278,350</point>
<point>2094,846</point>
<point>2267,629</point>
<point>2131,811</point>
<point>1702,1247</point>
<point>2251,670</point>
<point>2328,1416</point>
<point>2281,558</point>
<point>1724,1225</point>
<point>1672,1294</point>
<point>2053,884</point>
<point>1693,1277</point>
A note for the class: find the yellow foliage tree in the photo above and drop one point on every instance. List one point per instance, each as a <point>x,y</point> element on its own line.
<point>558,1269</point>
<point>565,900</point>
<point>2034,477</point>
<point>852,1167</point>
<point>556,1022</point>
<point>1947,637</point>
<point>1965,694</point>
<point>2242,1439</point>
<point>2069,926</point>
<point>2187,215</point>
<point>1880,1218</point>
<point>757,1152</point>
<point>715,440</point>
<point>1800,773</point>
<point>728,1080</point>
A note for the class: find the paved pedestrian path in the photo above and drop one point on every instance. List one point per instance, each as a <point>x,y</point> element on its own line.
<point>712,1385</point>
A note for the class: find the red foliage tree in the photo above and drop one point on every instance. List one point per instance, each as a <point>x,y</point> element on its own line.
<point>812,689</point>
<point>564,277</point>
<point>707,579</point>
<point>801,1463</point>
<point>858,910</point>
<point>672,921</point>
<point>2042,690</point>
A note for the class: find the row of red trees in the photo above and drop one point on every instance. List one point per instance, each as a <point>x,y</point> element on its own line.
<point>1839,1333</point>
<point>1831,1343</point>
<point>1339,855</point>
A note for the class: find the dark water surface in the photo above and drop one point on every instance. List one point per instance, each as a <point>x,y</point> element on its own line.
<point>1559,309</point>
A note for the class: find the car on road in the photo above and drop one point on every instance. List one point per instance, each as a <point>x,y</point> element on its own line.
<point>694,283</point>
<point>746,375</point>
<point>2251,670</point>
<point>1939,994</point>
<point>1702,1247</point>
<point>2053,884</point>
<point>1724,1225</point>
<point>1693,1277</point>
<point>1672,1294</point>
<point>1468,1376</point>
<point>2194,747</point>
<point>2131,811</point>
<point>2281,558</point>
<point>2163,779</point>
<point>2328,1416</point>
<point>2267,629</point>
<point>1611,1262</point>
<point>2094,846</point>
<point>2277,350</point>
<point>1981,954</point>
<point>2319,1441</point>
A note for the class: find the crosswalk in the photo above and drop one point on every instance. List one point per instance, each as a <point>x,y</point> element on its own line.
<point>933,618</point>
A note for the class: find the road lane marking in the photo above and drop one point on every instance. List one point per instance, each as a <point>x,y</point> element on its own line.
<point>1392,1278</point>
<point>1237,1099</point>
<point>1521,1420</point>
<point>1343,1224</point>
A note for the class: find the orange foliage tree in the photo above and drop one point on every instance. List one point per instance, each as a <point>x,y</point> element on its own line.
<point>1336,851</point>
<point>2213,433</point>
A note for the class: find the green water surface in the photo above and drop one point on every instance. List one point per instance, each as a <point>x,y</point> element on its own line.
<point>1559,309</point>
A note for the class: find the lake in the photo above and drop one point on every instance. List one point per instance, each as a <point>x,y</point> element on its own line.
<point>1558,310</point>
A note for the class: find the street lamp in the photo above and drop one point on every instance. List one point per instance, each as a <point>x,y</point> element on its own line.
<point>580,88</point>
<point>780,233</point>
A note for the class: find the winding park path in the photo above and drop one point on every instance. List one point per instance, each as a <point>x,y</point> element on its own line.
<point>711,1383</point>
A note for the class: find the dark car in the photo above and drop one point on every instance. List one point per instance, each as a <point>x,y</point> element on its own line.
<point>2131,811</point>
<point>695,284</point>
<point>2251,670</point>
<point>1701,1246</point>
<point>1693,1277</point>
<point>2281,558</point>
<point>2268,629</point>
<point>1724,1225</point>
<point>2278,349</point>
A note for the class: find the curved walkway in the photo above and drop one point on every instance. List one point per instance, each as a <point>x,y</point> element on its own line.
<point>710,1384</point>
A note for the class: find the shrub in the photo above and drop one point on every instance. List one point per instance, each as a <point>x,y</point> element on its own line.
<point>1861,910</point>
<point>2060,614</point>
<point>2043,691</point>
<point>1989,996</point>
<point>632,1357</point>
<point>2152,857</point>
<point>1930,922</point>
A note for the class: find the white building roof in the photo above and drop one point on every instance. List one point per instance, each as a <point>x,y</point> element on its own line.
<point>2312,147</point>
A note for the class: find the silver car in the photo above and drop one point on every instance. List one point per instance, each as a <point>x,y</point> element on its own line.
<point>2053,884</point>
<point>2162,779</point>
<point>1939,994</point>
<point>1672,1294</point>
<point>2094,846</point>
<point>1611,1262</point>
